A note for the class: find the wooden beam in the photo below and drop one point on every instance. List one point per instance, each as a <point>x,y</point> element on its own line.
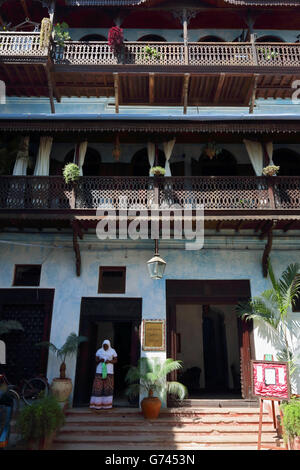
<point>239,225</point>
<point>253,94</point>
<point>116,87</point>
<point>219,87</point>
<point>24,5</point>
<point>268,248</point>
<point>50,88</point>
<point>76,247</point>
<point>288,226</point>
<point>219,225</point>
<point>185,91</point>
<point>151,87</point>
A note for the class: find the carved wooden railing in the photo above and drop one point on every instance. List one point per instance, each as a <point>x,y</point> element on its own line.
<point>26,45</point>
<point>21,45</point>
<point>92,192</point>
<point>171,54</point>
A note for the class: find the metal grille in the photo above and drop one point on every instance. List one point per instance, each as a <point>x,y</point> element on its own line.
<point>22,357</point>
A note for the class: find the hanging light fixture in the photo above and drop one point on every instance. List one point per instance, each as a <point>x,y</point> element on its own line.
<point>156,265</point>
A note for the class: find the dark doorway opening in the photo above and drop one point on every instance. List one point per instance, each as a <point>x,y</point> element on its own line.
<point>119,321</point>
<point>32,308</point>
<point>204,331</point>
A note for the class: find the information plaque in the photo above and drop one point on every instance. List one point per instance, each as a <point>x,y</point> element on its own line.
<point>153,335</point>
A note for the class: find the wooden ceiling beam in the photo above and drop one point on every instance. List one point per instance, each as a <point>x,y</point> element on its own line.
<point>151,87</point>
<point>219,87</point>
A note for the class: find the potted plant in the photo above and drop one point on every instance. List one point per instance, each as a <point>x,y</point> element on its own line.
<point>151,53</point>
<point>270,170</point>
<point>157,171</point>
<point>61,386</point>
<point>116,39</point>
<point>150,376</point>
<point>291,422</point>
<point>37,424</point>
<point>61,33</point>
<point>71,173</point>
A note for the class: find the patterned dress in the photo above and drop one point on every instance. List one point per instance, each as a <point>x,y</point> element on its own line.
<point>103,388</point>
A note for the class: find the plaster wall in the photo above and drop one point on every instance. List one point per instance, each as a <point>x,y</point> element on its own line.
<point>222,258</point>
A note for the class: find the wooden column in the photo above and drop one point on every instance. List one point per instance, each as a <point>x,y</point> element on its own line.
<point>116,86</point>
<point>185,36</point>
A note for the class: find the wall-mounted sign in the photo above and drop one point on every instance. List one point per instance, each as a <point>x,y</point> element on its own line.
<point>268,357</point>
<point>153,335</point>
<point>270,379</point>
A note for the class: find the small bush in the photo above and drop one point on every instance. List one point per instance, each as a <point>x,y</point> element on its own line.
<point>41,419</point>
<point>291,418</point>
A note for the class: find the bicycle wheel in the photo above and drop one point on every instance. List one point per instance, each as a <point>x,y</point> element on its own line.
<point>34,389</point>
<point>13,394</point>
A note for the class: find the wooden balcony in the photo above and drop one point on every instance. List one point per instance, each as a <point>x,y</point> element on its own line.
<point>223,74</point>
<point>231,194</point>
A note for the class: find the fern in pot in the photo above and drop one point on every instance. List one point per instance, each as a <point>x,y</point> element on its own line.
<point>150,375</point>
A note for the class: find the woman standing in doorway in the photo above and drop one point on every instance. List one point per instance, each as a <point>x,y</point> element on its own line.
<point>103,387</point>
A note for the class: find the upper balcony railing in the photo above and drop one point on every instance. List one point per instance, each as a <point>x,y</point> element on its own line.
<point>228,193</point>
<point>176,53</point>
<point>18,45</point>
<point>21,45</point>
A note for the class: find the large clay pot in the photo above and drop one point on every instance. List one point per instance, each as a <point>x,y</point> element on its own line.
<point>151,406</point>
<point>61,389</point>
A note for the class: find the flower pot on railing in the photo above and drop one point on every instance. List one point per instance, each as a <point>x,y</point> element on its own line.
<point>157,171</point>
<point>270,170</point>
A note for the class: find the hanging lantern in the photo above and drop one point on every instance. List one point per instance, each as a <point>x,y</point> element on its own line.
<point>156,265</point>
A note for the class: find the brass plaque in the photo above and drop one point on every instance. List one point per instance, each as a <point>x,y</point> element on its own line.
<point>154,335</point>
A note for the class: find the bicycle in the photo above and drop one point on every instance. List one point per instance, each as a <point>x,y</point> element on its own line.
<point>29,390</point>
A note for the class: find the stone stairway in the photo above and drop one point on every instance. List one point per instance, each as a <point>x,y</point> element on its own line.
<point>175,429</point>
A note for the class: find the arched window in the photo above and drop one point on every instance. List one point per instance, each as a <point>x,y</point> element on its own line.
<point>152,38</point>
<point>140,162</point>
<point>223,164</point>
<point>211,39</point>
<point>269,39</point>
<point>93,37</point>
<point>288,160</point>
<point>92,161</point>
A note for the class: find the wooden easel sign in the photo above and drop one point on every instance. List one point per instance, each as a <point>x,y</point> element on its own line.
<point>270,381</point>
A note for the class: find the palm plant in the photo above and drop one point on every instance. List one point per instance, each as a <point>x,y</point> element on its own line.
<point>150,376</point>
<point>69,348</point>
<point>6,326</point>
<point>273,307</point>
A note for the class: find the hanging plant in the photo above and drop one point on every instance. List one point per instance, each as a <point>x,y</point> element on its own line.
<point>61,33</point>
<point>157,171</point>
<point>45,33</point>
<point>115,39</point>
<point>270,170</point>
<point>212,150</point>
<point>71,173</point>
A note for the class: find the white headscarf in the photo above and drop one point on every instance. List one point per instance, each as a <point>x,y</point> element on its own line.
<point>108,354</point>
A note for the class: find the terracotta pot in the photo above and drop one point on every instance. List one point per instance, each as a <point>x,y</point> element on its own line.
<point>61,389</point>
<point>295,443</point>
<point>151,407</point>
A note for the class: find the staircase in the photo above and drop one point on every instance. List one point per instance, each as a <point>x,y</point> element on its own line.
<point>175,429</point>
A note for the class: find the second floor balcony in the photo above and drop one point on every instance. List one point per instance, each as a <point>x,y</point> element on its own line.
<point>217,194</point>
<point>155,73</point>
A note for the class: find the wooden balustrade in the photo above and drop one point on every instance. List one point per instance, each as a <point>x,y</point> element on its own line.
<point>92,192</point>
<point>26,45</point>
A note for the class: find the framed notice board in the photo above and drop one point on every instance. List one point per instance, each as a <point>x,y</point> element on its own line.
<point>154,335</point>
<point>270,380</point>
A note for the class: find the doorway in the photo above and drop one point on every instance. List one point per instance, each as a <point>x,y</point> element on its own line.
<point>205,333</point>
<point>119,321</point>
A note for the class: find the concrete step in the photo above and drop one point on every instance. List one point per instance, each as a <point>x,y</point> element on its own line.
<point>95,418</point>
<point>152,439</point>
<point>167,412</point>
<point>165,430</point>
<point>146,446</point>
